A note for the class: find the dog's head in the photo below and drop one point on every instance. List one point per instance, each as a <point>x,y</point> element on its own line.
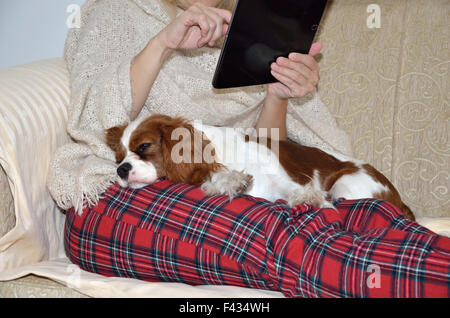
<point>145,152</point>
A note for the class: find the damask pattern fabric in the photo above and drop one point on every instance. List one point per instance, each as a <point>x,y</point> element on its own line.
<point>389,89</point>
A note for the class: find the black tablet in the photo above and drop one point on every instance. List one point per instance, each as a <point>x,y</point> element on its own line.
<point>260,32</point>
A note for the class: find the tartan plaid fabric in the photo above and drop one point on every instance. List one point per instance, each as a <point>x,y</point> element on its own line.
<point>174,233</point>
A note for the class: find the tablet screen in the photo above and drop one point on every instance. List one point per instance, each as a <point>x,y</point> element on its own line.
<point>260,32</point>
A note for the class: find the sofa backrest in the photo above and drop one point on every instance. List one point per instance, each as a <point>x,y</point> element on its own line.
<point>388,88</point>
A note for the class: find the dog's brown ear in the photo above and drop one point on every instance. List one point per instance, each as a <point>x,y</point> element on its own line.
<point>112,137</point>
<point>180,160</point>
<point>175,150</point>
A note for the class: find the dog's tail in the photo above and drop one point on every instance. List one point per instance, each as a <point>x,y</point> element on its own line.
<point>407,211</point>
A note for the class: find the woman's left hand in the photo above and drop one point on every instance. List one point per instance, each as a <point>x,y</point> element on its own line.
<point>297,75</point>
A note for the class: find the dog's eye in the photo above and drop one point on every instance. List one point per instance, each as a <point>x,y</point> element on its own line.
<point>143,147</point>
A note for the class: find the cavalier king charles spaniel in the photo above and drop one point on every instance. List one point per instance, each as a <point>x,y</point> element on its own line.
<point>227,161</point>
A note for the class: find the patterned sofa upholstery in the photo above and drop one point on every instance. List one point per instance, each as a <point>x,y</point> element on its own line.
<point>388,88</point>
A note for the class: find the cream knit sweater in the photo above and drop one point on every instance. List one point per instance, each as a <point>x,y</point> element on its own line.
<point>98,57</point>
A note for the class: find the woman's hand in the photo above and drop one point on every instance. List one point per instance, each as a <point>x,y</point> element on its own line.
<point>298,75</point>
<point>196,27</point>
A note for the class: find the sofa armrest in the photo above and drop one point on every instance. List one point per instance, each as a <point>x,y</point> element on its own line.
<point>33,117</point>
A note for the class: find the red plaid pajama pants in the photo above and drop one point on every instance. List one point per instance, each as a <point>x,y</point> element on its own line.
<point>174,233</point>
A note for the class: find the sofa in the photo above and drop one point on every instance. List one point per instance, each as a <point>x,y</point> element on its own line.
<point>388,88</point>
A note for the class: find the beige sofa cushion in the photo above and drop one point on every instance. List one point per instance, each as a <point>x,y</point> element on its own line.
<point>389,89</point>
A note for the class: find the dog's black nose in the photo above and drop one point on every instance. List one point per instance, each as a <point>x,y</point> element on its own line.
<point>123,170</point>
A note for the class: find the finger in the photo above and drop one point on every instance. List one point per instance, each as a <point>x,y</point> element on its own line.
<point>203,23</point>
<point>310,75</point>
<point>208,27</point>
<point>306,59</point>
<point>219,29</point>
<point>216,18</point>
<point>290,73</point>
<point>295,90</point>
<point>315,49</point>
<point>225,14</point>
<point>212,30</point>
<point>225,29</point>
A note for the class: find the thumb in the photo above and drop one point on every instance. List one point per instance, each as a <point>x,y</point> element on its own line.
<point>315,48</point>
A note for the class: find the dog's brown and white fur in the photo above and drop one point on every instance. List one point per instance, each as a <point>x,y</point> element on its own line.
<point>299,174</point>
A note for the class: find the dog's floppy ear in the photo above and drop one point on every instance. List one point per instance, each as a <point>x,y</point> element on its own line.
<point>113,137</point>
<point>173,147</point>
<point>179,153</point>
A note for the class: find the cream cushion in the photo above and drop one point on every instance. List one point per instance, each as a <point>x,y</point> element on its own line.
<point>33,101</point>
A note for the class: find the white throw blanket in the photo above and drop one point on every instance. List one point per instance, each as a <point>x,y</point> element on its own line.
<point>98,56</point>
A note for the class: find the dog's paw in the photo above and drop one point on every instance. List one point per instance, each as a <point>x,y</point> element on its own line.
<point>310,195</point>
<point>230,183</point>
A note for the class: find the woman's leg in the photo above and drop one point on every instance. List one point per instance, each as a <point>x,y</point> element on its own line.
<point>170,232</point>
<point>361,216</point>
<point>364,249</point>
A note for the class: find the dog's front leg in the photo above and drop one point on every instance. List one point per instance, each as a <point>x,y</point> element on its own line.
<point>227,182</point>
<point>310,193</point>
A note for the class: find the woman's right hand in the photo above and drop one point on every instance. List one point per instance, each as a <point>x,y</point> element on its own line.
<point>196,27</point>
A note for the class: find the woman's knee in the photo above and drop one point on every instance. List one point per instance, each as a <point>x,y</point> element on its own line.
<point>365,214</point>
